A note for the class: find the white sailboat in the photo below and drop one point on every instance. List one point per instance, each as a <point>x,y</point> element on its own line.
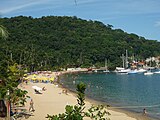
<point>148,73</point>
<point>133,71</point>
<point>141,70</point>
<point>125,65</point>
<point>122,70</point>
<point>137,71</point>
<point>157,72</point>
<point>149,68</point>
<point>106,71</point>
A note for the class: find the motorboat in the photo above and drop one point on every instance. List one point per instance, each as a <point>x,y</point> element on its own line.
<point>148,73</point>
<point>141,70</point>
<point>122,70</point>
<point>106,71</point>
<point>157,72</point>
<point>133,72</point>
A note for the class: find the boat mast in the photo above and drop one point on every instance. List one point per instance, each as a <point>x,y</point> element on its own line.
<point>126,59</point>
<point>123,59</point>
<point>106,64</point>
<point>150,63</point>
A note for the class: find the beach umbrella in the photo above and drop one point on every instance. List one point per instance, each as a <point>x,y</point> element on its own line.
<point>33,78</point>
<point>51,79</point>
<point>25,75</point>
<point>44,78</point>
<point>27,78</point>
<point>39,78</point>
<point>34,75</point>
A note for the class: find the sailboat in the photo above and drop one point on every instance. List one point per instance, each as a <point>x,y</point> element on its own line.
<point>148,73</point>
<point>123,69</point>
<point>149,70</point>
<point>106,71</point>
<point>157,72</point>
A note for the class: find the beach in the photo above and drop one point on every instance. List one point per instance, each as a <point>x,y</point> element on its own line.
<point>52,101</point>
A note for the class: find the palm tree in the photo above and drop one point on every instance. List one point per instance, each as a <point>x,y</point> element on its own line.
<point>3,32</point>
<point>8,84</point>
<point>9,90</point>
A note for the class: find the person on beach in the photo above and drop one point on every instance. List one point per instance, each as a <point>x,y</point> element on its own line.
<point>44,89</point>
<point>31,108</point>
<point>65,91</point>
<point>26,82</point>
<point>144,111</point>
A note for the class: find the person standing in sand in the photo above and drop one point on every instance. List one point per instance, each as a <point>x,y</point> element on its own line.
<point>31,106</point>
<point>144,111</point>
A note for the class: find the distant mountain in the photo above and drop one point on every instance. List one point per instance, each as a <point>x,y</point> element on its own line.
<point>54,41</point>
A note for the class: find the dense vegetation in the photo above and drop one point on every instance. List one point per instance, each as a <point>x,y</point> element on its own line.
<point>10,74</point>
<point>53,41</point>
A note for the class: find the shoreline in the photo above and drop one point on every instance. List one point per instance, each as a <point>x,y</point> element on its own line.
<point>53,101</point>
<point>130,113</point>
<point>137,116</point>
<point>60,100</point>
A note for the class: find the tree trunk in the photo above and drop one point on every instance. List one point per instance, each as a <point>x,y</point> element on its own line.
<point>3,109</point>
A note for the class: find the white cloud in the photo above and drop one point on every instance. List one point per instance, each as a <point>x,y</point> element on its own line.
<point>108,8</point>
<point>20,5</point>
<point>157,24</point>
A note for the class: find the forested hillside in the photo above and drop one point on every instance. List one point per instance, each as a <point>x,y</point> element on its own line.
<point>52,41</point>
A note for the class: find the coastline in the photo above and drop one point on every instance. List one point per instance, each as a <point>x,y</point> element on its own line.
<point>54,98</point>
<point>133,114</point>
<point>136,116</point>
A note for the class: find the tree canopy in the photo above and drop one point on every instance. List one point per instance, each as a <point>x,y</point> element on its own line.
<point>54,41</point>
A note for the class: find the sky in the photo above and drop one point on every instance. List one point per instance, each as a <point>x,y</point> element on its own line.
<point>141,17</point>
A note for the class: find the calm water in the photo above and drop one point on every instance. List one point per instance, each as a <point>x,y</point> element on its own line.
<point>129,91</point>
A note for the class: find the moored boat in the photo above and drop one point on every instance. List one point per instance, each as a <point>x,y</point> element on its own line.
<point>148,73</point>
<point>157,72</point>
<point>133,72</point>
<point>141,70</point>
<point>122,70</point>
<point>106,67</point>
<point>106,71</point>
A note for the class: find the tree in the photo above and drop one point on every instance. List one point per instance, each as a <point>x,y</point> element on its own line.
<point>55,41</point>
<point>3,32</point>
<point>9,76</point>
<point>9,90</point>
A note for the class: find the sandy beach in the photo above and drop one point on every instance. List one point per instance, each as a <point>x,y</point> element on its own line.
<point>53,101</point>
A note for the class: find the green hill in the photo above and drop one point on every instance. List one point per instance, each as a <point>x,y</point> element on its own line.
<point>53,41</point>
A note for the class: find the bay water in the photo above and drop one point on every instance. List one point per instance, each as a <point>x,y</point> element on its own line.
<point>132,92</point>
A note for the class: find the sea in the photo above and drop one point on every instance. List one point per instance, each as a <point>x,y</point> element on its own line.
<point>132,92</point>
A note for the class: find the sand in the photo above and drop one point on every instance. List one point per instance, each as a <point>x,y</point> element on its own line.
<point>53,101</point>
